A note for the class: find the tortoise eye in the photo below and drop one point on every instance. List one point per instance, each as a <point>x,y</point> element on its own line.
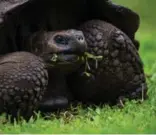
<point>60,40</point>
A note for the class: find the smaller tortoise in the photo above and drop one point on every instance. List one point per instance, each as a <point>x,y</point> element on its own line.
<point>24,76</point>
<point>118,73</point>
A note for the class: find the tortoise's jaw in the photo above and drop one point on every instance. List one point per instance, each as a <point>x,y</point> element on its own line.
<point>67,58</point>
<point>64,63</point>
<point>58,59</point>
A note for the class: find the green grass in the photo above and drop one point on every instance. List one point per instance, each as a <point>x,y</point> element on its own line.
<point>147,50</point>
<point>134,118</point>
<point>145,9</point>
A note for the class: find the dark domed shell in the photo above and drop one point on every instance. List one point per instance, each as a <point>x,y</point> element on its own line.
<point>9,5</point>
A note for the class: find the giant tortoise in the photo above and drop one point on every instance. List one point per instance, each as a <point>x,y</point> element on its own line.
<point>21,19</point>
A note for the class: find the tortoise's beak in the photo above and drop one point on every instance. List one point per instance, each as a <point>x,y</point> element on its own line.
<point>76,48</point>
<point>77,45</point>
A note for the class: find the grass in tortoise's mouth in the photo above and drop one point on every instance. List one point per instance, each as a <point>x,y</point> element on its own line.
<point>56,58</point>
<point>85,58</point>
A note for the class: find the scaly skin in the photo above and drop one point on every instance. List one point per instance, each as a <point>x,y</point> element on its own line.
<point>122,17</point>
<point>24,79</point>
<point>119,74</point>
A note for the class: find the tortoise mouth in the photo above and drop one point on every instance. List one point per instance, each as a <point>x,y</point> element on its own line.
<point>54,59</point>
<point>64,58</point>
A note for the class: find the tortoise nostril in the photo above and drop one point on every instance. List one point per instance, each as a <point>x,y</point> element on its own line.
<point>80,38</point>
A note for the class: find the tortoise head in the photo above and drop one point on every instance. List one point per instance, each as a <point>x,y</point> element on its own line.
<point>59,47</point>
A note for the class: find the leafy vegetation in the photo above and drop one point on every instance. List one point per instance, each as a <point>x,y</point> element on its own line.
<point>134,118</point>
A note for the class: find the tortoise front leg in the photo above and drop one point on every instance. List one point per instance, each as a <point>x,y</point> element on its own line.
<point>23,80</point>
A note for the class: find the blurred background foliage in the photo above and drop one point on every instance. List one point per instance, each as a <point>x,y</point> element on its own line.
<point>146,9</point>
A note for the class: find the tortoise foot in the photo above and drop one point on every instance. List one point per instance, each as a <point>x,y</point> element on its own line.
<point>53,104</point>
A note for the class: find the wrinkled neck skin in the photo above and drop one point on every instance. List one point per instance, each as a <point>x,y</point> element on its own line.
<point>64,69</point>
<point>36,43</point>
<point>56,76</point>
<point>57,82</point>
